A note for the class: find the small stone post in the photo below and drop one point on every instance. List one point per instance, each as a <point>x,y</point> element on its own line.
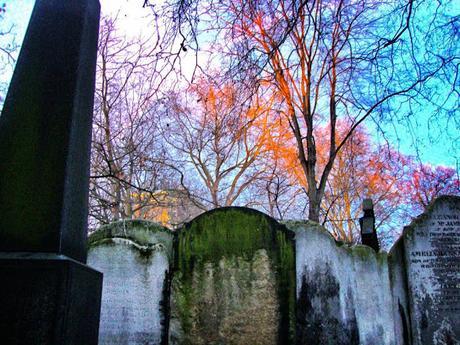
<point>367,224</point>
<point>47,293</point>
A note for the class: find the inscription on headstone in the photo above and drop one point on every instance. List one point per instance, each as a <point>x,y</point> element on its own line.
<point>131,295</point>
<point>432,246</point>
<point>134,257</point>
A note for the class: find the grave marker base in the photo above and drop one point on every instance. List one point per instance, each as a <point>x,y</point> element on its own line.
<point>48,299</point>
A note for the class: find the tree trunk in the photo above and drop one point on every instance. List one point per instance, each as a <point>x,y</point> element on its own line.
<point>313,208</point>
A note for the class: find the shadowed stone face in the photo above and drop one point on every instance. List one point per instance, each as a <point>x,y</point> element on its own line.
<point>48,295</point>
<point>234,282</point>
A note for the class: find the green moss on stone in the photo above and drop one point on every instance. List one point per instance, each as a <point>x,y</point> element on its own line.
<point>142,233</point>
<point>363,252</point>
<point>360,251</point>
<point>229,244</point>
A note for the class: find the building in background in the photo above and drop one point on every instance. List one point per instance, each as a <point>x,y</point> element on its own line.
<point>171,208</point>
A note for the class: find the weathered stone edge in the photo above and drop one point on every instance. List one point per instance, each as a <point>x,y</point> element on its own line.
<point>113,230</point>
<point>248,210</point>
<point>354,249</point>
<point>421,218</point>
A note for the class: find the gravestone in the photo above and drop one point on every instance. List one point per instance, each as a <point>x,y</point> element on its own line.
<point>47,294</point>
<point>343,292</point>
<point>234,280</point>
<point>134,257</point>
<point>432,260</point>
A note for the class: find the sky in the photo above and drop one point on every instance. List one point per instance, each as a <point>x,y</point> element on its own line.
<point>437,142</point>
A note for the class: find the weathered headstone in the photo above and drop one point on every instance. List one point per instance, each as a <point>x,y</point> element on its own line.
<point>432,257</point>
<point>343,293</point>
<point>134,257</point>
<point>47,294</point>
<point>234,281</point>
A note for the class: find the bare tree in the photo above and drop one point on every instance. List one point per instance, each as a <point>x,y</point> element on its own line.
<point>321,62</point>
<point>127,156</point>
<point>8,51</point>
<point>277,193</point>
<point>362,170</point>
<point>211,131</point>
<point>331,60</point>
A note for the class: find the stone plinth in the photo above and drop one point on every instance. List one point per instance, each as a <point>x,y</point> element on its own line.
<point>48,299</point>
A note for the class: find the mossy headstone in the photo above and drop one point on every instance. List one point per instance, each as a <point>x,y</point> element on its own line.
<point>432,254</point>
<point>134,257</point>
<point>234,280</point>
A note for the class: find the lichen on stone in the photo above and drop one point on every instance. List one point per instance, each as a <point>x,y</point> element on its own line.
<point>234,281</point>
<point>143,235</point>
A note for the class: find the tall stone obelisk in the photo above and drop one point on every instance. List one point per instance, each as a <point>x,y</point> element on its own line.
<point>47,293</point>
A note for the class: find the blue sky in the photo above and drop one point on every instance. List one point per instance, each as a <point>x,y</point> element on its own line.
<point>435,141</point>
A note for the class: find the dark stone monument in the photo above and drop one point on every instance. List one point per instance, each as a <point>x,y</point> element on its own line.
<point>48,295</point>
<point>432,260</point>
<point>367,224</point>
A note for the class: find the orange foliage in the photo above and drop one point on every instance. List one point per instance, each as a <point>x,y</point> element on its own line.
<point>360,171</point>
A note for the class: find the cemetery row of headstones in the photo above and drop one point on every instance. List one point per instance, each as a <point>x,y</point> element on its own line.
<point>231,276</point>
<point>236,276</point>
